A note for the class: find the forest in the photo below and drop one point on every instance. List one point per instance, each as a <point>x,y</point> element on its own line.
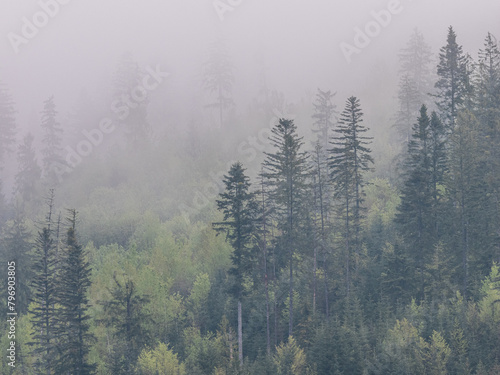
<point>311,244</point>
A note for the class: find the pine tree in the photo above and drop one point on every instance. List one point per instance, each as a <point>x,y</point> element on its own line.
<point>415,63</point>
<point>16,243</point>
<point>321,209</point>
<point>239,208</point>
<point>218,78</point>
<point>453,77</point>
<point>409,104</point>
<point>466,186</point>
<point>44,286</point>
<point>72,315</point>
<point>286,173</point>
<point>419,210</point>
<point>324,115</point>
<point>52,141</point>
<point>262,238</point>
<point>414,82</point>
<point>7,123</point>
<point>126,315</point>
<point>29,172</point>
<point>349,160</point>
<point>487,80</point>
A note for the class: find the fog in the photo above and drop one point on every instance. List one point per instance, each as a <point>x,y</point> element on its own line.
<point>292,46</point>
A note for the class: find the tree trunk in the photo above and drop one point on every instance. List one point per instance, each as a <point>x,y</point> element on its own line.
<point>240,335</point>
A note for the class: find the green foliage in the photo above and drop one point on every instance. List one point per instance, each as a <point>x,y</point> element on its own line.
<point>489,308</point>
<point>160,360</point>
<point>125,313</point>
<point>404,349</point>
<point>290,359</point>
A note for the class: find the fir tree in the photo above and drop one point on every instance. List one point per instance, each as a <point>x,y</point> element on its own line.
<point>414,83</point>
<point>17,244</point>
<point>466,186</point>
<point>126,315</point>
<point>218,78</point>
<point>324,116</point>
<point>419,210</point>
<point>73,319</point>
<point>286,173</point>
<point>52,141</point>
<point>239,208</point>
<point>7,123</point>
<point>349,159</point>
<point>487,80</point>
<point>29,172</point>
<point>44,285</point>
<point>451,85</point>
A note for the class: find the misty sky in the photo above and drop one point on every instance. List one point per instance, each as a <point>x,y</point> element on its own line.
<point>298,41</point>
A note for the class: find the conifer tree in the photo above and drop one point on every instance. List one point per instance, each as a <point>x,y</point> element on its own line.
<point>218,78</point>
<point>466,186</point>
<point>262,238</point>
<point>239,208</point>
<point>321,209</point>
<point>419,210</point>
<point>125,313</point>
<point>349,159</point>
<point>52,141</point>
<point>324,116</point>
<point>16,243</point>
<point>29,171</point>
<point>452,80</point>
<point>286,173</point>
<point>7,123</point>
<point>487,80</point>
<point>44,298</point>
<point>415,77</point>
<point>72,315</point>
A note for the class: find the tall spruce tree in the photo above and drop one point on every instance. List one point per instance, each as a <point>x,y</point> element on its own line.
<point>487,80</point>
<point>125,313</point>
<point>349,159</point>
<point>7,123</point>
<point>74,338</point>
<point>52,159</point>
<point>415,85</point>
<point>239,208</point>
<point>324,116</point>
<point>415,63</point>
<point>488,113</point>
<point>16,244</point>
<point>29,172</point>
<point>321,208</point>
<point>418,212</point>
<point>466,188</point>
<point>286,172</point>
<point>218,78</point>
<point>44,285</point>
<point>452,80</point>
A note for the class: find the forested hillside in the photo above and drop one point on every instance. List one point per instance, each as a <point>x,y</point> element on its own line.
<point>309,244</point>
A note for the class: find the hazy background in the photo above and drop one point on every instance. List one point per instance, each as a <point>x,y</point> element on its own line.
<point>294,44</point>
